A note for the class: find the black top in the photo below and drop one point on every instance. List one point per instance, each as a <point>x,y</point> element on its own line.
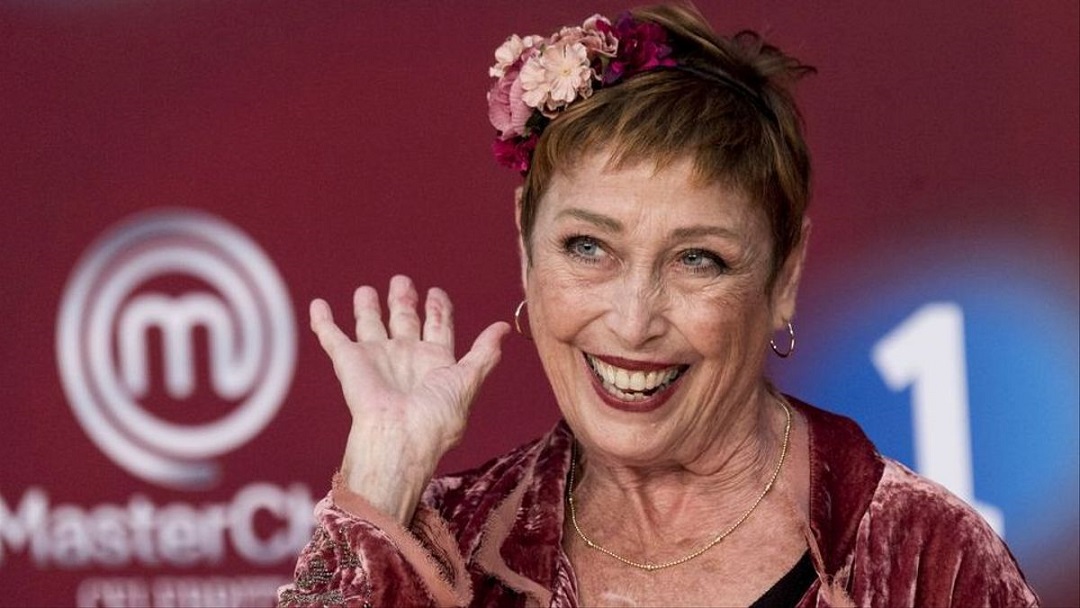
<point>791,587</point>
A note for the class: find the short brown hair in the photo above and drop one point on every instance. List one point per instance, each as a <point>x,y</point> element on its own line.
<point>726,106</point>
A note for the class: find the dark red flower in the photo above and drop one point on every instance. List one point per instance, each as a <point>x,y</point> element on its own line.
<point>642,47</point>
<point>515,153</point>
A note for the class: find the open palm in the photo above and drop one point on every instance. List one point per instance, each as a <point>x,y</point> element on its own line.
<point>408,395</point>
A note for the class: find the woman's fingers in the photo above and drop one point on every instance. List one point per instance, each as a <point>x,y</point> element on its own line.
<point>322,323</point>
<point>439,319</point>
<point>369,325</point>
<point>404,322</point>
<point>402,300</point>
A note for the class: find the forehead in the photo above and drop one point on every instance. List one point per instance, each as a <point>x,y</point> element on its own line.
<point>672,193</point>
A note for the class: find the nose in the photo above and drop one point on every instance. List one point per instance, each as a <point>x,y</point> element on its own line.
<point>636,316</point>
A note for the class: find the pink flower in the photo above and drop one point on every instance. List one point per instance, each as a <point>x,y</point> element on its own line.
<point>557,76</point>
<point>506,110</point>
<point>538,77</point>
<point>598,43</point>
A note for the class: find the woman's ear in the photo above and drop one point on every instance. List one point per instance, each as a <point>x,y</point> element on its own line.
<point>786,285</point>
<point>523,251</point>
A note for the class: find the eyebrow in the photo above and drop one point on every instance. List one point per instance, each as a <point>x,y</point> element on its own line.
<point>615,225</point>
<point>593,218</point>
<point>695,231</point>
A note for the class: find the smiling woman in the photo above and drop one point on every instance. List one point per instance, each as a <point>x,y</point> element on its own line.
<point>643,272</point>
<point>663,234</point>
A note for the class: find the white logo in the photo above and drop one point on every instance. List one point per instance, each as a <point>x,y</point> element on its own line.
<point>109,306</point>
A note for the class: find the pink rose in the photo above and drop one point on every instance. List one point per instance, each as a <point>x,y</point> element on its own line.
<point>599,41</point>
<point>506,110</point>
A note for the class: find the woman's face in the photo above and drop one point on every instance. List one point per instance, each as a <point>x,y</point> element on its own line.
<point>651,307</point>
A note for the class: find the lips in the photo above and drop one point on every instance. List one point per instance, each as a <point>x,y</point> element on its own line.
<point>631,381</point>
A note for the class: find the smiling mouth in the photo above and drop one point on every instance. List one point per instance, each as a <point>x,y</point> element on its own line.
<point>633,385</point>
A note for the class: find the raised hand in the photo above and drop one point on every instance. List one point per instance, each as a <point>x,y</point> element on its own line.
<point>408,395</point>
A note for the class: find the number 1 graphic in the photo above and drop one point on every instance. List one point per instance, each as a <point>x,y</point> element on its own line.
<point>926,352</point>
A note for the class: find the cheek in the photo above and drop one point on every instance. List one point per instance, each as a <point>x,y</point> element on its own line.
<point>723,323</point>
<point>561,308</point>
<point>561,302</point>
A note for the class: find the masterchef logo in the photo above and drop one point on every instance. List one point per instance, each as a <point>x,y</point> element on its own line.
<point>171,310</point>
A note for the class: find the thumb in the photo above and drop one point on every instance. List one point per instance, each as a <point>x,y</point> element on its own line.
<point>485,352</point>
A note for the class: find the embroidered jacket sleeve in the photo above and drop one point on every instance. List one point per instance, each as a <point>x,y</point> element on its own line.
<point>489,536</point>
<point>360,556</point>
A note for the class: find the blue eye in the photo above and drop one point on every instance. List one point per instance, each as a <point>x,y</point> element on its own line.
<point>584,247</point>
<point>700,260</point>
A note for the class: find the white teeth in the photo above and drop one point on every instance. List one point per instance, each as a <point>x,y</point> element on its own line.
<point>606,372</point>
<point>620,382</point>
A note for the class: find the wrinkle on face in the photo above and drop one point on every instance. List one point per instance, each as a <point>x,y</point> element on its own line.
<point>639,301</point>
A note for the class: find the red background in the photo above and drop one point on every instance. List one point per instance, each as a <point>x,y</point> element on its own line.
<point>351,142</point>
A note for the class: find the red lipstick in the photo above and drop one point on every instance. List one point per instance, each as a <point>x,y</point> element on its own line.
<point>634,366</point>
<point>649,404</point>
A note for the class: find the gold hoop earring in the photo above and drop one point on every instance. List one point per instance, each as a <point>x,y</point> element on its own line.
<point>517,320</point>
<point>791,343</point>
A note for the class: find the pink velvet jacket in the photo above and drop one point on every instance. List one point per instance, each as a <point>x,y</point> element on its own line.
<point>879,535</point>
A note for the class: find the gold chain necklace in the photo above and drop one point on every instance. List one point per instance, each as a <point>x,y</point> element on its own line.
<point>682,560</point>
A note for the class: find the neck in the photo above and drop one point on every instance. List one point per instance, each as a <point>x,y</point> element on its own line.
<point>664,505</point>
<point>743,447</point>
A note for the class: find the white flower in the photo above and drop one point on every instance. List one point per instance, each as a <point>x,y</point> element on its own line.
<point>510,51</point>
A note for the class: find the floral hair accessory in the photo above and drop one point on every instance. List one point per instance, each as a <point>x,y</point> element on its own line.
<point>537,77</point>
